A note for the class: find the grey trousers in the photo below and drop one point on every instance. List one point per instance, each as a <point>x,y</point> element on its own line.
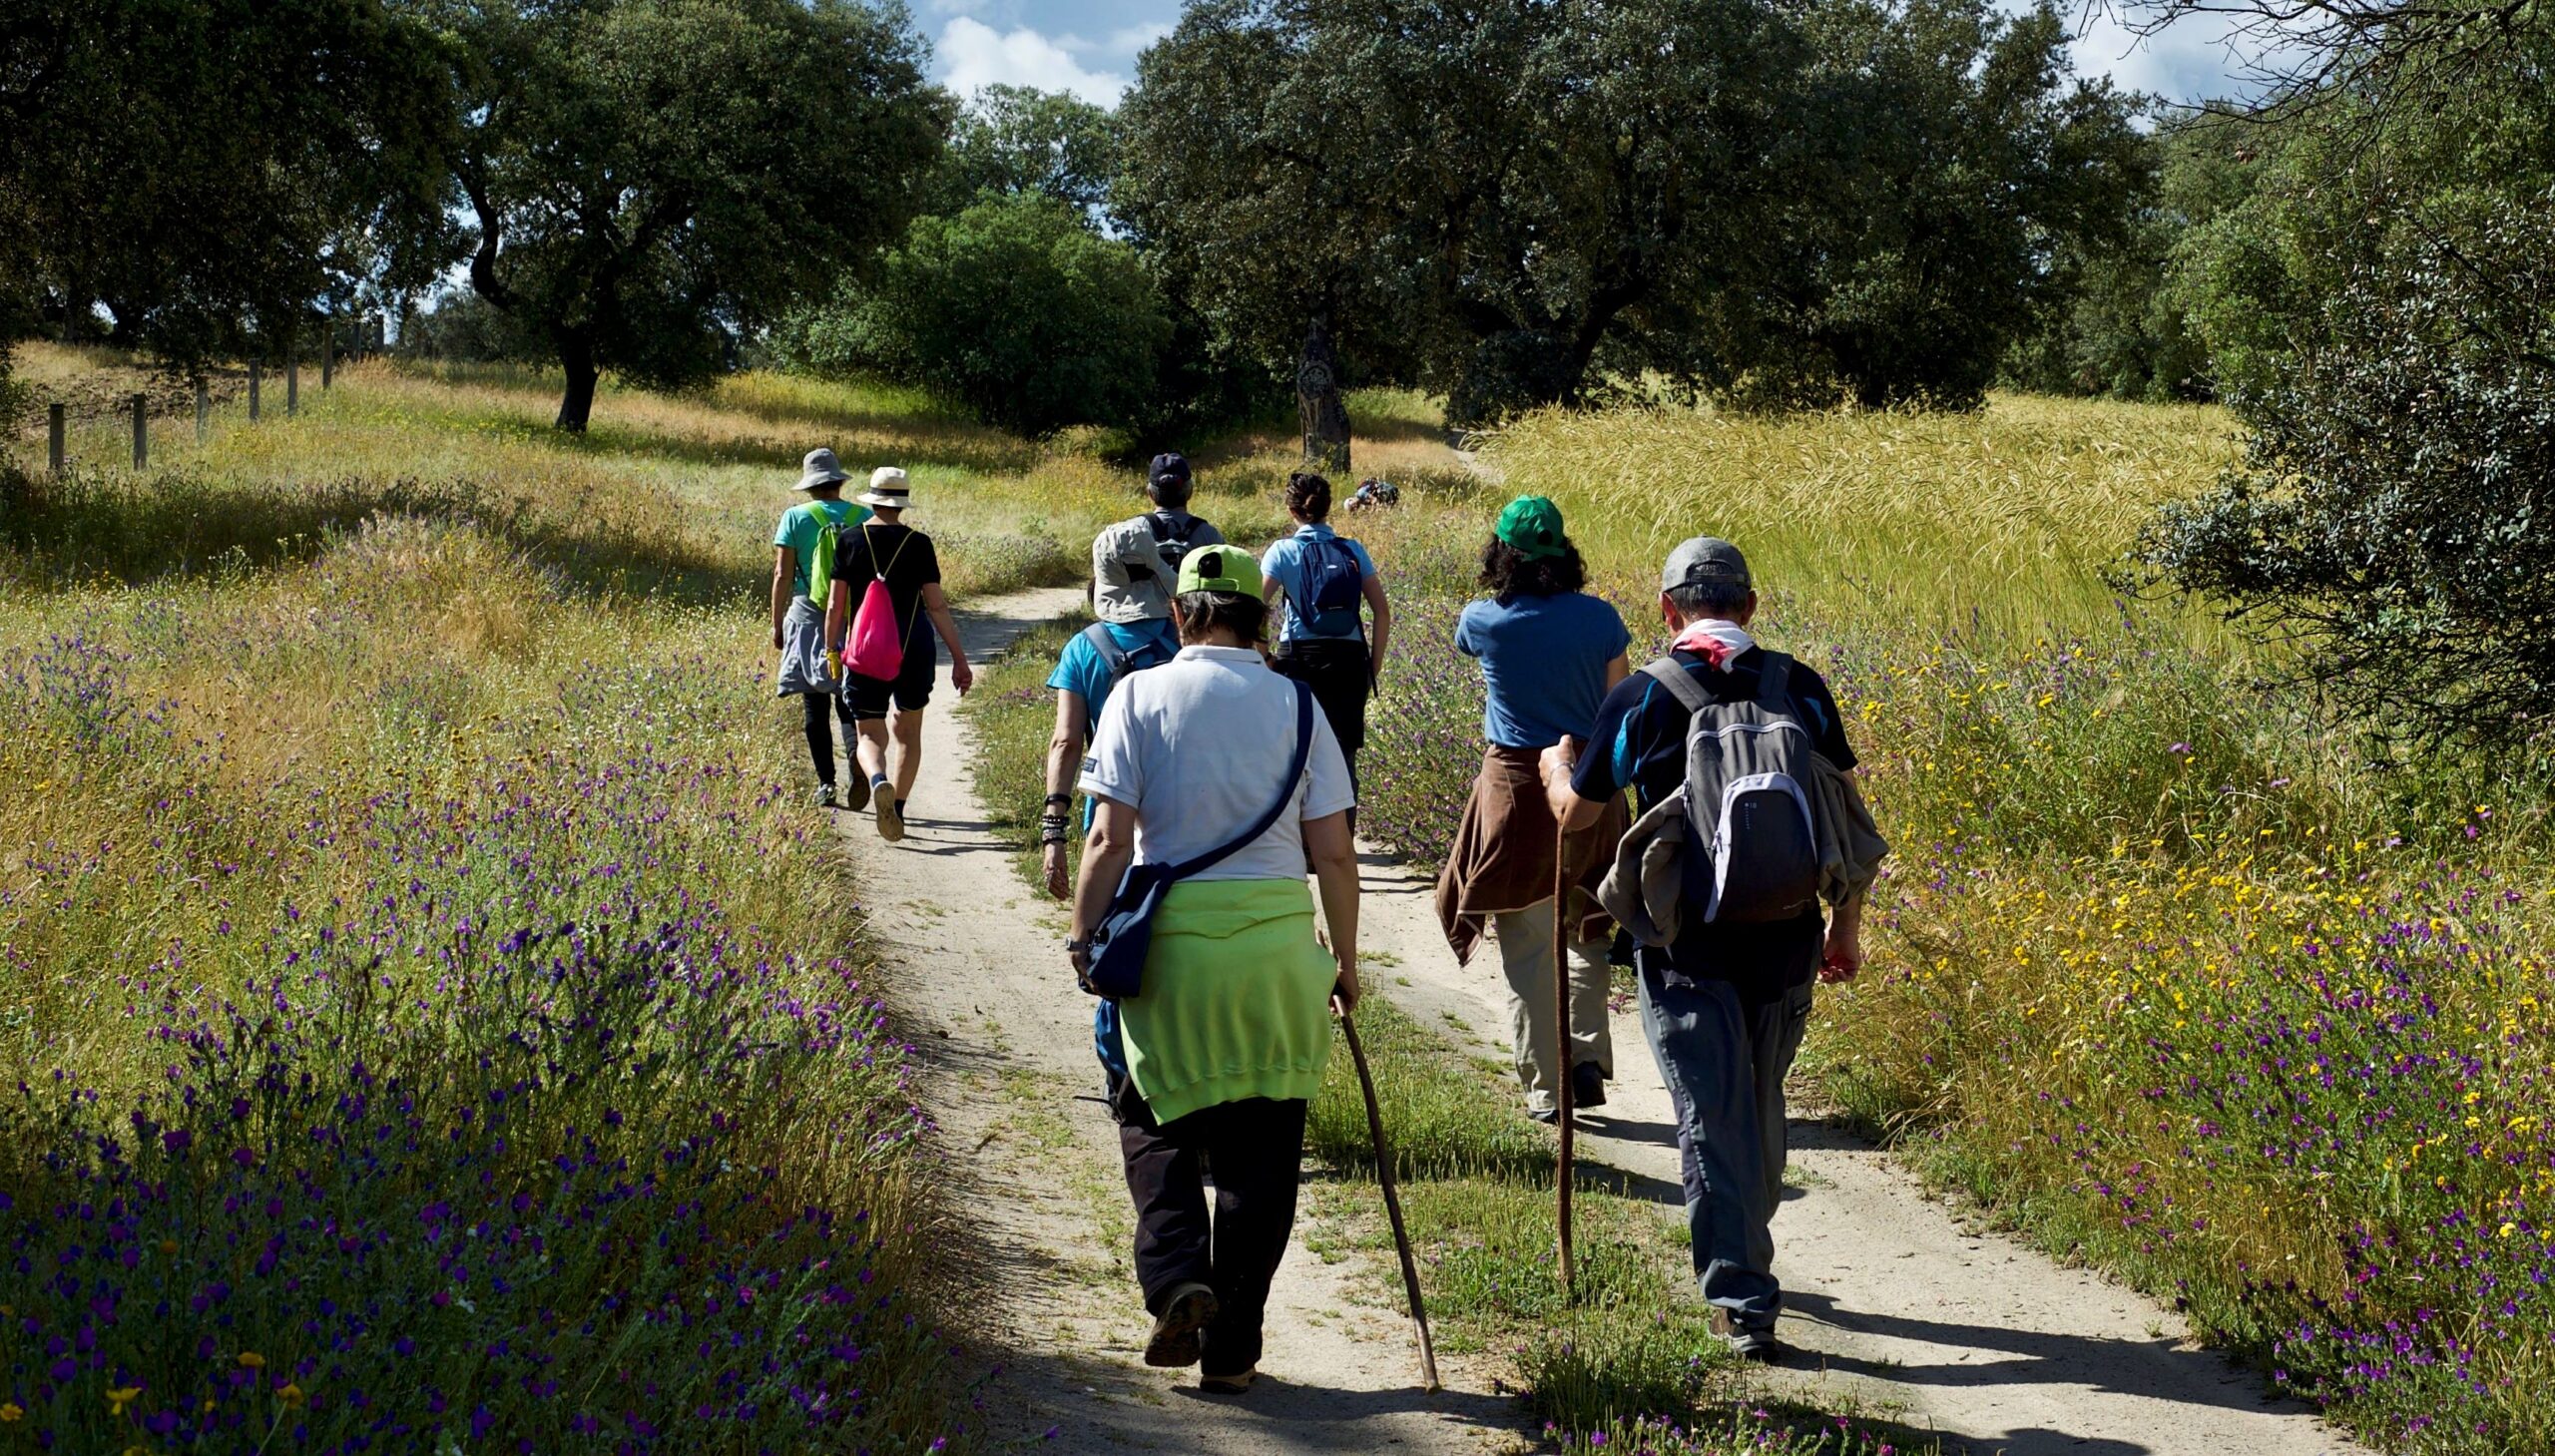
<point>1526,958</point>
<point>1724,1057</point>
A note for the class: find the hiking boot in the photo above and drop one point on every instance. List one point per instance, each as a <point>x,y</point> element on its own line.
<point>857,797</point>
<point>824,796</point>
<point>1756,1346</point>
<point>1234,1384</point>
<point>1587,1086</point>
<point>1179,1332</point>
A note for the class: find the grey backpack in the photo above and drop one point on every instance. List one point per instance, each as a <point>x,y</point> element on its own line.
<point>1749,773</point>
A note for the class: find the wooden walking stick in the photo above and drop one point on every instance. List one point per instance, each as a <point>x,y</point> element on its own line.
<point>1561,1037</point>
<point>1392,1207</point>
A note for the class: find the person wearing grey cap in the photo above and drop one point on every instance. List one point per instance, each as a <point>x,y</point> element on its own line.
<point>803,557</point>
<point>1724,1002</point>
<point>1135,562</point>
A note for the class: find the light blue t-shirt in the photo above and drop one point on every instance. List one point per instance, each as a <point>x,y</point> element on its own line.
<point>1080,669</point>
<point>798,530</point>
<point>1283,564</point>
<point>1543,664</point>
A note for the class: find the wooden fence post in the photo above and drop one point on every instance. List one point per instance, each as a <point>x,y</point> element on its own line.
<point>252,391</point>
<point>203,408</point>
<point>142,432</point>
<point>53,437</point>
<point>291,387</point>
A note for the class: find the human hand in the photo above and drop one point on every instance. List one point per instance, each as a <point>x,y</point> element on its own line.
<point>963,675</point>
<point>1845,958</point>
<point>1556,764</point>
<point>776,637</point>
<point>1345,992</point>
<point>1053,858</point>
<point>1080,955</point>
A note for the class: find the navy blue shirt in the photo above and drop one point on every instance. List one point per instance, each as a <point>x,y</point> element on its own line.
<point>1639,744</point>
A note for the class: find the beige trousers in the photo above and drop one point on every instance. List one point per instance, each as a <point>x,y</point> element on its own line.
<point>1526,955</point>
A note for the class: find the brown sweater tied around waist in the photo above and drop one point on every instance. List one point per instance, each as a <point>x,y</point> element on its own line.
<point>1502,859</point>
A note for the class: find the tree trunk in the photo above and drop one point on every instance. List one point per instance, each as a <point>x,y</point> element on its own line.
<point>577,357</point>
<point>1317,403</point>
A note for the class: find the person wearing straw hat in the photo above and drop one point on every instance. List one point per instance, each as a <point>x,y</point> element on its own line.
<point>902,559</point>
<point>1214,763</point>
<point>1549,653</point>
<point>802,555</point>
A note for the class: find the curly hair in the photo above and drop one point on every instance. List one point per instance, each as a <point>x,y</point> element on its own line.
<point>1308,496</point>
<point>1509,572</point>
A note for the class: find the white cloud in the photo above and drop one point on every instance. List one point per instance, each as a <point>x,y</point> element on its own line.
<point>973,54</point>
<point>1133,39</point>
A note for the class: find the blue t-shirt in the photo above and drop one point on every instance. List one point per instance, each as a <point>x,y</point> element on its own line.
<point>798,530</point>
<point>1543,664</point>
<point>1080,669</point>
<point>1283,564</point>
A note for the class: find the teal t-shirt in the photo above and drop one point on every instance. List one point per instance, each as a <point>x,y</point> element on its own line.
<point>799,528</point>
<point>1081,669</point>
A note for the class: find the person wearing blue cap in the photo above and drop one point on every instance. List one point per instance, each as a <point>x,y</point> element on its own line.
<point>1135,562</point>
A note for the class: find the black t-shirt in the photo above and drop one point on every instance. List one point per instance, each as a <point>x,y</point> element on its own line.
<point>903,557</point>
<point>1639,742</point>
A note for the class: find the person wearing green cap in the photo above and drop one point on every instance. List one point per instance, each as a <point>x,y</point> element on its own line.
<point>1212,1061</point>
<point>1549,653</point>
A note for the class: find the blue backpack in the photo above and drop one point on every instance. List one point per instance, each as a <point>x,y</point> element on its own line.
<point>1335,586</point>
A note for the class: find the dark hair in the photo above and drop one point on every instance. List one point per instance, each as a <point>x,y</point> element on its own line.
<point>1201,612</point>
<point>1706,599</point>
<point>1509,572</point>
<point>1308,495</point>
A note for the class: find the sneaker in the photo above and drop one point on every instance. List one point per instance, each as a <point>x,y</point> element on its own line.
<point>1179,1332</point>
<point>1234,1384</point>
<point>892,819</point>
<point>1550,1117</point>
<point>1587,1086</point>
<point>824,796</point>
<point>1761,1347</point>
<point>857,797</point>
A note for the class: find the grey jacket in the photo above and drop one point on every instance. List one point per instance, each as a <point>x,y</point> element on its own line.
<point>1644,892</point>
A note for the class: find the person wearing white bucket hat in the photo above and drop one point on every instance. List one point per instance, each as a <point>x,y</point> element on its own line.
<point>889,566</point>
<point>802,559</point>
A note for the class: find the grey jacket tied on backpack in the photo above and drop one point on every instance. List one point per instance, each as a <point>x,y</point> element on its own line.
<point>1764,827</point>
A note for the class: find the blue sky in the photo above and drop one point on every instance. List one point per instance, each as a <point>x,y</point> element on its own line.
<point>1089,47</point>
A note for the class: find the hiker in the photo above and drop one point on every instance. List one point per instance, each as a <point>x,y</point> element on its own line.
<point>1730,938</point>
<point>895,570</point>
<point>802,559</point>
<point>1135,562</point>
<point>1221,1044</point>
<point>1094,662</point>
<point>1549,653</point>
<point>1323,577</point>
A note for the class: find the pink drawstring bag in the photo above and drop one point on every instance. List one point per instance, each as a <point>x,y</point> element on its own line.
<point>878,648</point>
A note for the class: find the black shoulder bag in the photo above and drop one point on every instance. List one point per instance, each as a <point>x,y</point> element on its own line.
<point>1125,934</point>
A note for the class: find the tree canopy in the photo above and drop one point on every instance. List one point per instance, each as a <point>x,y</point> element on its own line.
<point>653,180</point>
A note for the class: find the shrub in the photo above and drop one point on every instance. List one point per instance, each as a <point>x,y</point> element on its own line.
<point>1014,307</point>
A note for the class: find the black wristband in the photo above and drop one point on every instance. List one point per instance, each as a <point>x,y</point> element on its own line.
<point>1062,799</point>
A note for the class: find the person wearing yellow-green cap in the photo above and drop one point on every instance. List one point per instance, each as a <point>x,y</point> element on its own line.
<point>1214,763</point>
<point>1549,654</point>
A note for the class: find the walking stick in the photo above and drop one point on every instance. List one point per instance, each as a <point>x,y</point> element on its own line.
<point>1561,1038</point>
<point>1392,1207</point>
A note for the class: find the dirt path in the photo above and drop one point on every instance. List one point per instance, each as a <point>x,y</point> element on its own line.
<point>978,974</point>
<point>1912,1314</point>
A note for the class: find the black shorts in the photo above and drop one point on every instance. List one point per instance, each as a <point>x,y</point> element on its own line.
<point>1341,677</point>
<point>909,691</point>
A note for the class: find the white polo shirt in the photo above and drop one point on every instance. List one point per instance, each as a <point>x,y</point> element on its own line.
<point>1196,747</point>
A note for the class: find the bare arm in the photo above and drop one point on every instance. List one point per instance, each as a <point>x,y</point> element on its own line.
<point>785,566</point>
<point>1618,669</point>
<point>1844,957</point>
<point>838,618</point>
<point>936,602</point>
<point>1333,852</point>
<point>1383,607</point>
<point>1062,752</point>
<point>1105,857</point>
<point>1558,763</point>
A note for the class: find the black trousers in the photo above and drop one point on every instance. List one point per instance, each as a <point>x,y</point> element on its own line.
<point>1341,677</point>
<point>1254,1150</point>
<point>820,731</point>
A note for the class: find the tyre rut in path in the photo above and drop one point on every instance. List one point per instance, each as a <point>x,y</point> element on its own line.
<point>974,969</point>
<point>1906,1313</point>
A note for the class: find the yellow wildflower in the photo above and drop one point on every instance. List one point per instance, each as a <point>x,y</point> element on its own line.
<point>11,1413</point>
<point>290,1395</point>
<point>117,1400</point>
<point>250,1359</point>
